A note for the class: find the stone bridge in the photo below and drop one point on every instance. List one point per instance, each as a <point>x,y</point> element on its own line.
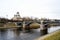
<point>28,25</point>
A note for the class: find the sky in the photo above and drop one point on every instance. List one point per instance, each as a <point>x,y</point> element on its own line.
<point>31,8</point>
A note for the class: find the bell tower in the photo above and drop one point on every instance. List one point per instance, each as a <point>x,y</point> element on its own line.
<point>17,16</point>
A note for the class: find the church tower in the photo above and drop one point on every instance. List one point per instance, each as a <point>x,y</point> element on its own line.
<point>17,16</point>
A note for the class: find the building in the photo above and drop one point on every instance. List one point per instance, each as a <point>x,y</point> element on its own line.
<point>17,17</point>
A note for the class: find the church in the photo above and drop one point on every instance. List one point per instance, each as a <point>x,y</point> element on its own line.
<point>17,17</point>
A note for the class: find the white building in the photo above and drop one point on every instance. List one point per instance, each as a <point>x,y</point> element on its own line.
<point>17,17</point>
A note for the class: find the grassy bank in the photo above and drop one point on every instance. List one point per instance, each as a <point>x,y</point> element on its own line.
<point>52,36</point>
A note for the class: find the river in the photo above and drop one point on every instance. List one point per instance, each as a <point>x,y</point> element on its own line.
<point>11,34</point>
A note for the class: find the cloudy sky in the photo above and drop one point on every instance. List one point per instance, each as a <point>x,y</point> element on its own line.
<point>30,8</point>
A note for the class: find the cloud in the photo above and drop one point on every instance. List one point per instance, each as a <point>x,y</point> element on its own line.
<point>36,8</point>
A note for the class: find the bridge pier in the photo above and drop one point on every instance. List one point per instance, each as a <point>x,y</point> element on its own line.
<point>43,28</point>
<point>25,28</point>
<point>43,32</point>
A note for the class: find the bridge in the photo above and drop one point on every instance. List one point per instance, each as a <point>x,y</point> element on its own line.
<point>27,25</point>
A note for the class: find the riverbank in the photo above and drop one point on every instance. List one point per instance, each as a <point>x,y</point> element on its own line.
<point>52,36</point>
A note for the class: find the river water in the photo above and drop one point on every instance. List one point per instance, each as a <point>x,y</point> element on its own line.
<point>11,34</point>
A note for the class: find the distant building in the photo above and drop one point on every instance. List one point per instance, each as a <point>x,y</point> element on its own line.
<point>17,17</point>
<point>27,18</point>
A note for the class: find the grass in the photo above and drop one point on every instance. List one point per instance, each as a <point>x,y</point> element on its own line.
<point>1,24</point>
<point>11,24</point>
<point>52,36</point>
<point>55,36</point>
<point>7,25</point>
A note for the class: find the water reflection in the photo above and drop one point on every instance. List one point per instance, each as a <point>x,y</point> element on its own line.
<point>11,34</point>
<point>16,33</point>
<point>3,34</point>
<point>52,29</point>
